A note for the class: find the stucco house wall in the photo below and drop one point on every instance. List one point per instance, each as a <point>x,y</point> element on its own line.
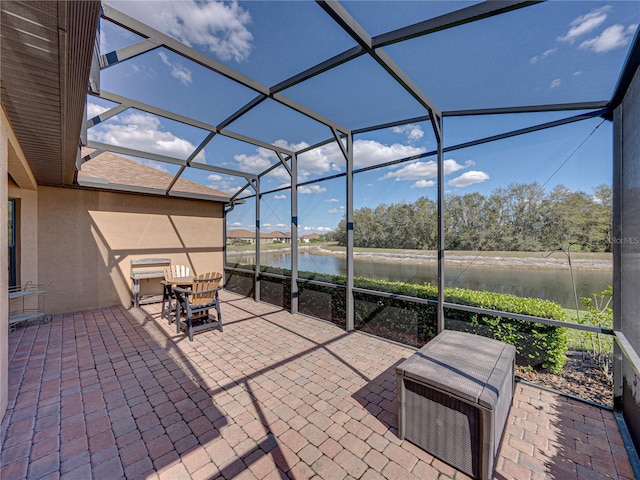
<point>87,239</point>
<point>81,241</point>
<point>26,232</point>
<point>21,186</point>
<point>4,265</point>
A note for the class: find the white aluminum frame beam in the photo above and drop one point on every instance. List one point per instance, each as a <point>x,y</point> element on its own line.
<point>456,18</point>
<point>145,107</point>
<point>556,107</point>
<point>350,26</point>
<point>347,153</point>
<point>85,182</point>
<point>443,22</point>
<point>157,37</point>
<point>104,116</point>
<point>431,153</point>
<point>191,157</point>
<point>167,159</point>
<point>113,58</point>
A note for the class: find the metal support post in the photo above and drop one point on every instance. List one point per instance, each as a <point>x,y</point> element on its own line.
<point>349,293</point>
<point>617,219</point>
<point>294,233</point>
<point>440,312</point>
<point>256,186</point>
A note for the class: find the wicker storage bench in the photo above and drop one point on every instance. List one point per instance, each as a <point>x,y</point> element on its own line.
<point>454,396</point>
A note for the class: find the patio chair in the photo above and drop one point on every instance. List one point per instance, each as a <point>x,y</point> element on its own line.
<point>194,304</point>
<point>170,273</point>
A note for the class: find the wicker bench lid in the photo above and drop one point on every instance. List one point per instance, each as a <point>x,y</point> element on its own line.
<point>465,365</point>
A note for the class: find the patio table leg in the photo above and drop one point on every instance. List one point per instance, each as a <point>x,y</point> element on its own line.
<point>165,299</point>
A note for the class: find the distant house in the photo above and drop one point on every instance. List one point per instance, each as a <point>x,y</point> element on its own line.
<point>240,236</point>
<point>273,237</point>
<point>311,237</point>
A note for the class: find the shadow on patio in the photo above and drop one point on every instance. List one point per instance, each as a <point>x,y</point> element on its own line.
<point>117,393</point>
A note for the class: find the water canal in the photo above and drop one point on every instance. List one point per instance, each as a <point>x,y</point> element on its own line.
<point>548,283</point>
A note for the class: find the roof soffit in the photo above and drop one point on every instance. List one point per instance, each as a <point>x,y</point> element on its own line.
<point>46,56</point>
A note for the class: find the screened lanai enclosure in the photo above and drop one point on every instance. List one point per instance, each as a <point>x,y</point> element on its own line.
<point>400,167</point>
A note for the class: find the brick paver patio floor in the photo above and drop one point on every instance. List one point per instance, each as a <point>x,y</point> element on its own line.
<point>116,393</point>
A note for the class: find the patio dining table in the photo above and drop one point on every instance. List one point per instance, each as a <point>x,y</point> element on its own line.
<point>171,312</point>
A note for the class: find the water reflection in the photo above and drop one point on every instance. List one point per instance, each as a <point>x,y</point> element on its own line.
<point>550,284</point>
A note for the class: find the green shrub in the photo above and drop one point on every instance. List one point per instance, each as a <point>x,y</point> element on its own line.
<point>537,345</point>
<point>599,347</point>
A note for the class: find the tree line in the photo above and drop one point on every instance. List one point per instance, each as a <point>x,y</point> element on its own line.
<point>520,217</point>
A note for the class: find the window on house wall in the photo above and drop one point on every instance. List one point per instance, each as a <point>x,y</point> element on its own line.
<point>12,242</point>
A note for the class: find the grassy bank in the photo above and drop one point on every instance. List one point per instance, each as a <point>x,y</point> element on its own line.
<point>332,247</point>
<point>488,254</point>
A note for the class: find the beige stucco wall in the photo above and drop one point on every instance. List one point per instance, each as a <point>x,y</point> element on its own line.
<point>26,232</point>
<point>20,185</point>
<point>4,265</point>
<point>82,241</point>
<point>86,240</point>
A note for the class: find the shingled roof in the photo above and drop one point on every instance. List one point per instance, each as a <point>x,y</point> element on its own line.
<point>240,233</point>
<point>112,170</point>
<point>243,233</point>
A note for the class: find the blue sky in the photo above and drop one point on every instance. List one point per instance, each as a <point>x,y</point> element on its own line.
<point>556,52</point>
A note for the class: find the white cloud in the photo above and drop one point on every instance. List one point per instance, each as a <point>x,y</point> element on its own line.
<point>236,224</point>
<point>308,228</point>
<point>423,184</point>
<point>318,161</point>
<point>413,132</point>
<point>182,73</point>
<point>93,110</point>
<point>142,131</point>
<point>216,26</point>
<point>324,159</point>
<point>334,211</point>
<point>365,152</point>
<point>223,184</point>
<point>555,83</point>
<point>259,162</point>
<point>577,73</point>
<point>282,225</point>
<point>616,36</point>
<point>266,225</point>
<point>543,55</point>
<point>370,152</point>
<point>469,178</point>
<point>312,189</point>
<point>333,200</point>
<point>265,158</point>
<point>585,24</point>
<point>280,197</point>
<point>424,170</point>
